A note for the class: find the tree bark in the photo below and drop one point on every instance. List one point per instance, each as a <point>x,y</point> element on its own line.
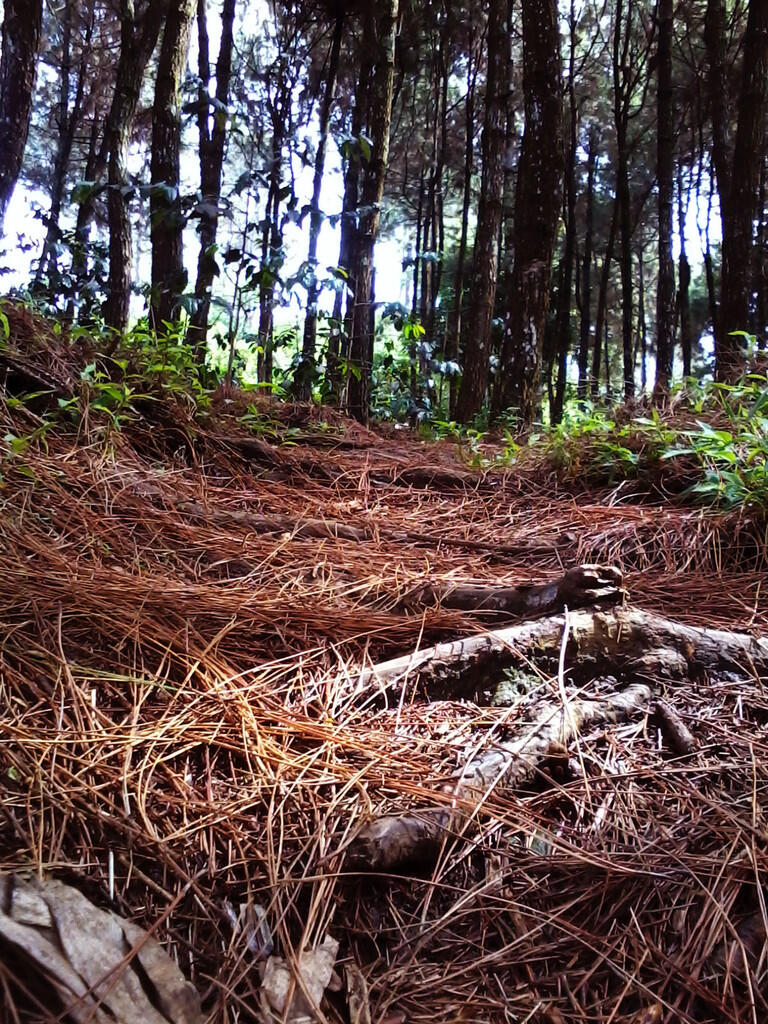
<point>138,37</point>
<point>169,278</point>
<point>454,321</point>
<point>738,196</point>
<point>684,282</point>
<point>67,122</point>
<point>761,283</point>
<point>341,318</point>
<point>602,302</point>
<point>563,325</point>
<point>537,206</point>
<point>22,29</point>
<point>305,371</point>
<point>586,269</point>
<point>737,171</point>
<point>584,585</point>
<point>384,26</point>
<point>642,331</point>
<point>477,351</point>
<point>270,244</point>
<point>621,102</point>
<point>639,644</point>
<point>665,160</point>
<point>212,136</point>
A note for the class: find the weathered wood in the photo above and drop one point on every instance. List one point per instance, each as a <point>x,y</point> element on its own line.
<point>627,640</point>
<point>674,730</point>
<point>395,840</point>
<point>583,585</point>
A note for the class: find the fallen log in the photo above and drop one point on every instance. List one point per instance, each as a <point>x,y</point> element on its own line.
<point>396,840</point>
<point>583,585</point>
<point>637,643</point>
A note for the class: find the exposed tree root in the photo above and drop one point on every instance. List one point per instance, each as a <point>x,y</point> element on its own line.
<point>628,640</point>
<point>395,840</point>
<point>583,585</point>
<point>673,728</point>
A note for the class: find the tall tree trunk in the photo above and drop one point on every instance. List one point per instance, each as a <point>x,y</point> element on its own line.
<point>621,104</point>
<point>602,302</point>
<point>169,278</point>
<point>341,318</point>
<point>537,205</point>
<point>684,280</point>
<point>384,24</point>
<point>563,327</point>
<point>453,324</point>
<point>739,188</point>
<point>80,262</point>
<point>761,284</point>
<point>305,371</point>
<point>22,28</point>
<point>137,42</point>
<point>665,167</point>
<point>67,122</point>
<point>212,136</point>
<point>271,241</point>
<point>413,368</point>
<point>642,331</point>
<point>586,267</point>
<point>477,353</point>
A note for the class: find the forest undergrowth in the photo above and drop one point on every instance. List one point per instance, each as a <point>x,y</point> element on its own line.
<point>189,588</point>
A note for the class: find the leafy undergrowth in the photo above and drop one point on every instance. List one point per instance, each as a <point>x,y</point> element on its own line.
<point>709,448</point>
<point>178,671</point>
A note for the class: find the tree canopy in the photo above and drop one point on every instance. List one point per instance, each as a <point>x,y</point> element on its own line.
<point>576,191</point>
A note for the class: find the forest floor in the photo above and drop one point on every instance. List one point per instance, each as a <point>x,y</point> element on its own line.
<point>185,607</point>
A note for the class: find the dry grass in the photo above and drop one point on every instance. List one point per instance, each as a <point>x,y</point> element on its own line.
<point>175,697</point>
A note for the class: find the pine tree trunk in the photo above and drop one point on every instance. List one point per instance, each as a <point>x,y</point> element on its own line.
<point>738,196</point>
<point>665,159</point>
<point>341,318</point>
<point>211,154</point>
<point>305,371</point>
<point>270,245</point>
<point>621,42</point>
<point>454,322</point>
<point>169,278</point>
<point>602,301</point>
<point>477,352</point>
<point>761,300</point>
<point>22,28</point>
<point>380,107</point>
<point>684,282</point>
<point>586,269</point>
<point>563,328</point>
<point>80,263</point>
<point>537,206</point>
<point>137,42</point>
<point>66,124</point>
<point>642,329</point>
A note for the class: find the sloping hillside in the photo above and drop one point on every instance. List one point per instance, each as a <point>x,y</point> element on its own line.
<point>188,592</point>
